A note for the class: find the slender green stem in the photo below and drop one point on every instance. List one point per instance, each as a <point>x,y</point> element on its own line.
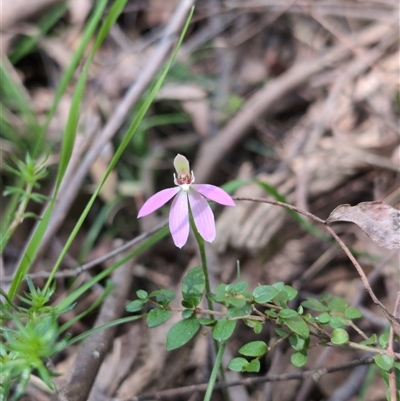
<point>214,373</point>
<point>203,258</point>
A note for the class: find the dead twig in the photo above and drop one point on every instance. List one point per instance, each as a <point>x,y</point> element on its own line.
<point>395,323</point>
<point>85,267</point>
<point>315,374</point>
<point>392,374</point>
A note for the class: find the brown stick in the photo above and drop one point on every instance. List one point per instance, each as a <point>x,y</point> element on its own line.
<point>395,323</point>
<point>315,374</point>
<point>392,374</point>
<point>89,265</point>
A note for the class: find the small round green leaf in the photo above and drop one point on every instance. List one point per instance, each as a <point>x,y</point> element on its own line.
<point>237,364</point>
<point>299,359</point>
<point>264,293</point>
<point>337,322</point>
<point>287,313</point>
<point>229,288</point>
<point>280,332</point>
<point>279,285</point>
<point>385,362</point>
<point>157,316</point>
<point>163,296</point>
<point>282,298</point>
<point>193,286</point>
<point>181,333</point>
<point>298,343</point>
<point>323,318</point>
<point>339,336</point>
<point>206,321</point>
<point>220,293</point>
<point>135,305</point>
<point>271,313</point>
<point>352,313</point>
<point>371,340</point>
<point>240,287</point>
<point>223,329</point>
<point>142,294</point>
<point>384,340</point>
<point>254,348</point>
<point>294,322</point>
<point>239,311</point>
<point>314,304</point>
<point>337,304</point>
<point>309,318</point>
<point>256,325</point>
<point>187,313</point>
<point>291,292</point>
<point>252,366</point>
<point>237,301</point>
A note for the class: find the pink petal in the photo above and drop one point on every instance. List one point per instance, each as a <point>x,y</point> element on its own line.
<point>179,219</point>
<point>157,200</point>
<point>214,193</point>
<point>203,215</point>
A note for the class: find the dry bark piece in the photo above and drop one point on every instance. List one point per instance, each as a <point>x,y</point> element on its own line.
<point>378,220</point>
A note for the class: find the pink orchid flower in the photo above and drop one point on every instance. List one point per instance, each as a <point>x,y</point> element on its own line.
<point>187,194</point>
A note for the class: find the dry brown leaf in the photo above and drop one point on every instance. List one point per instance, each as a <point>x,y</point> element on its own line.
<point>378,220</point>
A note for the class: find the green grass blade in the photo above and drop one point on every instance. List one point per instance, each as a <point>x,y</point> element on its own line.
<point>95,228</point>
<point>107,290</point>
<point>72,123</point>
<point>7,130</point>
<point>65,80</point>
<point>66,151</point>
<point>71,298</point>
<point>125,141</point>
<point>116,322</point>
<point>28,43</point>
<point>12,93</point>
<point>112,16</point>
<point>68,74</point>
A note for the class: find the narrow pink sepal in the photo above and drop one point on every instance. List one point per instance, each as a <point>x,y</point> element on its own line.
<point>202,215</point>
<point>214,193</point>
<point>157,200</point>
<point>179,219</point>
